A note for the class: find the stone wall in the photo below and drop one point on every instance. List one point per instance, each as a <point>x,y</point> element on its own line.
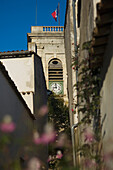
<point>86,24</point>
<point>49,42</point>
<point>70,53</point>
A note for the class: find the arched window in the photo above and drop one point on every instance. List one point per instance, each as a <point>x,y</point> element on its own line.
<point>55,76</point>
<point>55,70</point>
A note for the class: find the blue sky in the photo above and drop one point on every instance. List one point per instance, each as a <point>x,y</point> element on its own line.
<point>17,17</point>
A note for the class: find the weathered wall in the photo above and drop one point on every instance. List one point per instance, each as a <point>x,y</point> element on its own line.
<point>11,103</point>
<point>86,29</point>
<point>79,36</point>
<point>88,14</point>
<point>70,53</point>
<point>86,23</point>
<point>107,94</point>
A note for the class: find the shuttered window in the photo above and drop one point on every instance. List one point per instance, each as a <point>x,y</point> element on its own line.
<point>55,70</point>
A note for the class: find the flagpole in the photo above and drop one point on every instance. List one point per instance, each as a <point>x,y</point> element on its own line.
<point>36,13</point>
<point>58,14</point>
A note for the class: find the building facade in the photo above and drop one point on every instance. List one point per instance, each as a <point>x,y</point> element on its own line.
<point>12,105</point>
<point>48,42</point>
<point>70,40</point>
<point>25,70</point>
<point>94,22</point>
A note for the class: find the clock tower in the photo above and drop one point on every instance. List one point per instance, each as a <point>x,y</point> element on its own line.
<point>48,43</point>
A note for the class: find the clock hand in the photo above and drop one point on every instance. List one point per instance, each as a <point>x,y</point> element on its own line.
<point>55,85</point>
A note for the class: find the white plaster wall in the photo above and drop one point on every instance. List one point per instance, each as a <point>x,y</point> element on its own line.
<point>29,98</point>
<point>21,71</point>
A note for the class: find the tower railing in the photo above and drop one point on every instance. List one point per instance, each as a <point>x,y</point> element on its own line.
<point>52,29</point>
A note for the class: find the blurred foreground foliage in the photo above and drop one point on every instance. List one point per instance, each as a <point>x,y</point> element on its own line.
<point>58,114</point>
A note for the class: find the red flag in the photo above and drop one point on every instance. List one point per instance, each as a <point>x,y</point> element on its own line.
<point>55,14</point>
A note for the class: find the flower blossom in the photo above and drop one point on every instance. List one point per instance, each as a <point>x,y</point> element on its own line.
<point>7,125</point>
<point>59,155</point>
<point>50,158</point>
<point>47,137</point>
<point>88,135</point>
<point>36,138</point>
<point>49,134</point>
<point>43,110</point>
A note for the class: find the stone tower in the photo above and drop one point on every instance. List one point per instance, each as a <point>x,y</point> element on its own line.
<point>48,43</point>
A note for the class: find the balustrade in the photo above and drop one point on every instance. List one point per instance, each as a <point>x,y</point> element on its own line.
<point>53,29</point>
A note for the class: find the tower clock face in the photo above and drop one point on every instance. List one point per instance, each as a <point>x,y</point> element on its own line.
<point>56,88</point>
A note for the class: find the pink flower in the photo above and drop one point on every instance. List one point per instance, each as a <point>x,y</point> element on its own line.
<point>7,127</point>
<point>37,141</point>
<point>50,158</point>
<point>36,138</point>
<point>88,135</point>
<point>59,155</point>
<point>49,134</point>
<point>43,110</point>
<point>45,138</point>
<point>48,138</point>
<point>72,110</point>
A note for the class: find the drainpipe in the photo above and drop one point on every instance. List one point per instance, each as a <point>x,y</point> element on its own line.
<point>73,142</point>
